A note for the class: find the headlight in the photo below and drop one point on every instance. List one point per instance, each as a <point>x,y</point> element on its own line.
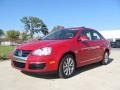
<point>42,51</point>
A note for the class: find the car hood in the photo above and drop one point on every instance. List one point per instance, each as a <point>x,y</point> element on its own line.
<point>32,45</point>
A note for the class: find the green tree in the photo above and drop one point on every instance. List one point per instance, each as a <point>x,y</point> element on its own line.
<point>58,27</point>
<point>24,36</point>
<point>1,34</point>
<point>12,35</point>
<point>34,25</point>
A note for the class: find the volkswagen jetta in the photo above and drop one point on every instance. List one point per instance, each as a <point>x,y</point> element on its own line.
<point>62,51</point>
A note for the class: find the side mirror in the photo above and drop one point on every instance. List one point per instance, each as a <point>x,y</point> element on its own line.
<point>83,38</point>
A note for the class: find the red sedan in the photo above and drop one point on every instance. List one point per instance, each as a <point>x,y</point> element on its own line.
<point>62,51</point>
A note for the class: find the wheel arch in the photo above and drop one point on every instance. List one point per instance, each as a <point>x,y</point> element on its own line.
<point>71,53</point>
<point>107,50</point>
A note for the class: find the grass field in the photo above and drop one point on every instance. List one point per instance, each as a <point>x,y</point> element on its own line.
<point>5,51</point>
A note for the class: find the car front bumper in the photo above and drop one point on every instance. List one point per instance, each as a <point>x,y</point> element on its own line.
<point>38,64</point>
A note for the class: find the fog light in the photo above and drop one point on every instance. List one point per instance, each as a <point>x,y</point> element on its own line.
<point>37,65</point>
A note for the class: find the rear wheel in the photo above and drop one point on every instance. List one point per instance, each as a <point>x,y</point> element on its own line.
<point>67,66</point>
<point>105,58</point>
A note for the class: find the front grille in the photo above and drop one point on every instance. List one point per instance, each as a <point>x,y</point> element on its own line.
<point>22,53</point>
<point>19,64</point>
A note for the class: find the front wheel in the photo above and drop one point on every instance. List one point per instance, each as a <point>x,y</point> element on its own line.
<point>105,58</point>
<point>67,66</point>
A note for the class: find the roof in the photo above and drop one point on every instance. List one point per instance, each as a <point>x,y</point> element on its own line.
<point>80,28</point>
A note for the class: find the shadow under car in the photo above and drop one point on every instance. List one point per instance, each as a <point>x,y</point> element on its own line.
<point>55,76</point>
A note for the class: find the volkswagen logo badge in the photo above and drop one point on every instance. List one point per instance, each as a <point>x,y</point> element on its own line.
<point>20,53</point>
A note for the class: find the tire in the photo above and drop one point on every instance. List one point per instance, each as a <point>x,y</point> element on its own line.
<point>67,66</point>
<point>106,59</point>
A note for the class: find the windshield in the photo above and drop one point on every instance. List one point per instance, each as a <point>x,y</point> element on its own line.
<point>60,35</point>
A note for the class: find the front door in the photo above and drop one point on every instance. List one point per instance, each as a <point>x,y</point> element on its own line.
<point>86,49</point>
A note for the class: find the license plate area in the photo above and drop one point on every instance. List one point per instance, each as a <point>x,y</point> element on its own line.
<point>20,59</point>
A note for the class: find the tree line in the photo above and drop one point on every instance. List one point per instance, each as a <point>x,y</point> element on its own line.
<point>32,25</point>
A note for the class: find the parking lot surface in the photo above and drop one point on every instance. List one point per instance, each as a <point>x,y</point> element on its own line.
<point>91,77</point>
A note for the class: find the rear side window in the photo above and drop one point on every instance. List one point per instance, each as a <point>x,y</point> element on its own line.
<point>96,36</point>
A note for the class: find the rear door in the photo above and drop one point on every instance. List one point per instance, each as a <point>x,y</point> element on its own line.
<point>98,43</point>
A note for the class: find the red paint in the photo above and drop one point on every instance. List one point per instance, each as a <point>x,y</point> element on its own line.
<point>86,52</point>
